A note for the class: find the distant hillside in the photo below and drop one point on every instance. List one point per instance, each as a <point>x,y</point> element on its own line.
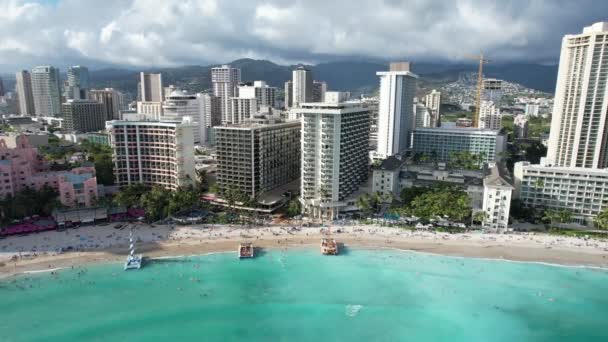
<point>343,75</point>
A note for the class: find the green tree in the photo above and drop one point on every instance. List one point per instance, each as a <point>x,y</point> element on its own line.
<point>601,220</point>
<point>129,196</point>
<point>480,216</point>
<point>564,216</point>
<point>551,216</point>
<point>156,203</point>
<point>294,208</point>
<point>183,198</point>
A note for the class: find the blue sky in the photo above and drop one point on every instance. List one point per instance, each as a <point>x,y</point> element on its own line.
<point>144,33</point>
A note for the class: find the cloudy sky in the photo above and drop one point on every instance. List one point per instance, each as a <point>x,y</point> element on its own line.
<point>142,33</point>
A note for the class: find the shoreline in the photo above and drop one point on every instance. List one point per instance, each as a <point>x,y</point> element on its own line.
<point>184,241</point>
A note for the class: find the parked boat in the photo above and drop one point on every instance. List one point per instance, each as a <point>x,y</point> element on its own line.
<point>246,250</point>
<point>329,246</point>
<point>133,261</point>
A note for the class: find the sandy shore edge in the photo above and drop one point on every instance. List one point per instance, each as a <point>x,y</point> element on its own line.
<point>521,251</point>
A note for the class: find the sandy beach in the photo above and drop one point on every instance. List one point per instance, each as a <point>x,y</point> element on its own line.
<point>104,243</point>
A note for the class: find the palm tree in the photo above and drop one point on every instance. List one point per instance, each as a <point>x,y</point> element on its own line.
<point>479,216</point>
<point>551,216</point>
<point>565,216</point>
<point>601,220</point>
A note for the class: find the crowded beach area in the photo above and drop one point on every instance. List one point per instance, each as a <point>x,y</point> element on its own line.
<point>109,243</point>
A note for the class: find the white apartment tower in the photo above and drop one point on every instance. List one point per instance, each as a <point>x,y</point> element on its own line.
<point>151,87</point>
<point>225,80</point>
<point>262,92</point>
<point>112,100</point>
<point>489,116</point>
<point>396,109</point>
<point>180,104</point>
<point>520,126</point>
<point>46,90</point>
<point>334,155</point>
<point>77,85</point>
<point>302,86</point>
<point>579,134</point>
<point>496,200</point>
<point>24,93</point>
<point>432,101</point>
<point>152,153</point>
<point>242,108</point>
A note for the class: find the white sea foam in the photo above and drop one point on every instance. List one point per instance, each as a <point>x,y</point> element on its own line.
<point>44,271</point>
<point>352,310</point>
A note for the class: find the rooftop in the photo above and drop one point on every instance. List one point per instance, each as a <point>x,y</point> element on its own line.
<point>391,163</point>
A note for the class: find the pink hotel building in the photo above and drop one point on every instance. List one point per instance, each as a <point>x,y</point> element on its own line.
<point>22,167</point>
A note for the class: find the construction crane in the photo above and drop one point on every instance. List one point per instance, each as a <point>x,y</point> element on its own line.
<point>481,61</point>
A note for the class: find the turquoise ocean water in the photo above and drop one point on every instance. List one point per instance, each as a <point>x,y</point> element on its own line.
<point>300,295</point>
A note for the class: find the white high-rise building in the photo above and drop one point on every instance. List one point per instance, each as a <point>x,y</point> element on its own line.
<point>579,135</point>
<point>152,153</point>
<point>211,105</point>
<point>242,108</point>
<point>492,90</point>
<point>302,86</point>
<point>334,155</point>
<point>112,100</point>
<point>422,116</point>
<point>225,80</point>
<point>496,200</point>
<point>520,126</point>
<point>532,109</point>
<point>432,101</point>
<point>288,94</point>
<point>319,89</point>
<point>489,116</point>
<point>262,92</point>
<point>46,90</point>
<point>24,93</point>
<point>151,87</point>
<point>77,85</point>
<point>396,109</point>
<point>180,104</point>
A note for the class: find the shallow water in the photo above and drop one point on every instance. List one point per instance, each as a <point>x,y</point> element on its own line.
<point>300,295</point>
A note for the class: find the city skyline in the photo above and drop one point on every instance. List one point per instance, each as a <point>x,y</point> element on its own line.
<point>133,34</point>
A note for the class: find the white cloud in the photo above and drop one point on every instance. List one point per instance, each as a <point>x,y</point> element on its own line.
<point>161,33</point>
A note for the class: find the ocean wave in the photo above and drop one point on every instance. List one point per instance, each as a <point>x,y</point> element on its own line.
<point>352,310</point>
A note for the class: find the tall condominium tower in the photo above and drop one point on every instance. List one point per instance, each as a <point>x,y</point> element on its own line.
<point>302,86</point>
<point>45,89</point>
<point>262,92</point>
<point>335,158</point>
<point>396,109</point>
<point>432,101</point>
<point>1,87</point>
<point>489,116</point>
<point>211,104</point>
<point>24,93</point>
<point>152,153</point>
<point>112,100</point>
<point>579,130</point>
<point>179,104</point>
<point>151,87</point>
<point>258,156</point>
<point>225,79</point>
<point>83,115</point>
<point>77,85</point>
<point>288,94</point>
<point>319,88</point>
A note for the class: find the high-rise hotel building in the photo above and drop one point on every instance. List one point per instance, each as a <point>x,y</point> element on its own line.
<point>225,80</point>
<point>258,156</point>
<point>152,153</point>
<point>579,130</point>
<point>46,90</point>
<point>335,141</point>
<point>396,109</point>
